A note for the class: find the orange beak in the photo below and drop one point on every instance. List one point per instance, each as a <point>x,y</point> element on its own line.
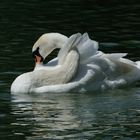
<point>37,59</point>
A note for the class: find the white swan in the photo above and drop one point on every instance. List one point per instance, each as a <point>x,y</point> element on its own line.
<point>79,67</point>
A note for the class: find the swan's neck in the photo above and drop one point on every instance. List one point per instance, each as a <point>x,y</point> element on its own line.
<point>58,75</point>
<point>49,43</point>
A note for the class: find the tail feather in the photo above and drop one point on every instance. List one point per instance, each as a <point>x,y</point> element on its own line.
<point>138,64</point>
<point>115,56</point>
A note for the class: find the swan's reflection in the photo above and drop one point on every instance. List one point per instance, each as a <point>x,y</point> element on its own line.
<point>52,113</point>
<point>76,115</point>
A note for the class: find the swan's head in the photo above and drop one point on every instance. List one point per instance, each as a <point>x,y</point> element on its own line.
<point>46,44</point>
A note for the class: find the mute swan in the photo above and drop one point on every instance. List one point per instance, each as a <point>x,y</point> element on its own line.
<point>79,67</point>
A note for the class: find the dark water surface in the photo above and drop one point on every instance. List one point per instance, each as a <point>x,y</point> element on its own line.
<point>92,116</point>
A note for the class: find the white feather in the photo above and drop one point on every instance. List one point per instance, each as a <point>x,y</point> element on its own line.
<point>69,45</point>
<point>95,70</point>
<point>87,48</point>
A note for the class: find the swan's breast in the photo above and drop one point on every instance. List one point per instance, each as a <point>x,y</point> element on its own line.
<point>22,83</point>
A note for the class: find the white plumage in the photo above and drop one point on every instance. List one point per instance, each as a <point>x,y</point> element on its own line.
<point>79,67</point>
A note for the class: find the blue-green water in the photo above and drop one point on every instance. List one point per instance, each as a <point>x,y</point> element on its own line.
<point>111,115</point>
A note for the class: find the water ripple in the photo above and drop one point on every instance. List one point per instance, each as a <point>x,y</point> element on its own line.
<point>109,115</point>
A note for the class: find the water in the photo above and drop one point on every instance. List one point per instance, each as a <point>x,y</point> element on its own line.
<point>99,116</point>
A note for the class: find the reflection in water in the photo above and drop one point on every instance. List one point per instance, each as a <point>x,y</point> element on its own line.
<point>110,115</point>
<point>71,116</point>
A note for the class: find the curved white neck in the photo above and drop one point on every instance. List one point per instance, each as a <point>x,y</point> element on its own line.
<point>58,74</point>
<point>48,42</point>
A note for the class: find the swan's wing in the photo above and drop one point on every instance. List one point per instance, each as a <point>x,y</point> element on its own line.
<point>115,56</point>
<point>60,88</point>
<point>72,42</point>
<point>87,48</point>
<point>119,57</point>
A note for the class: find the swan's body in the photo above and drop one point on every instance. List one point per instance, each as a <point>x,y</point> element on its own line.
<point>79,67</point>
